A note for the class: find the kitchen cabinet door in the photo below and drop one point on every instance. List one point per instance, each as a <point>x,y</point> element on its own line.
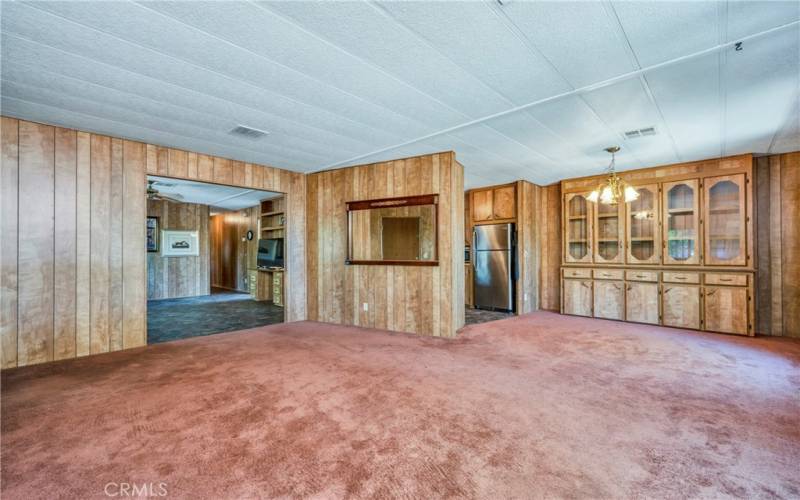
<point>608,233</point>
<point>641,302</point>
<point>681,306</point>
<point>726,309</point>
<point>681,222</point>
<point>725,220</point>
<point>577,297</point>
<point>609,301</point>
<point>577,228</point>
<point>482,205</point>
<point>643,236</point>
<point>503,203</point>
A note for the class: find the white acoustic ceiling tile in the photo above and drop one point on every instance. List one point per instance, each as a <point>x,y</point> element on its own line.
<point>120,115</point>
<point>749,17</point>
<point>75,38</point>
<point>625,106</point>
<point>475,37</point>
<point>788,137</point>
<point>522,127</point>
<point>331,132</point>
<point>689,97</point>
<point>66,118</point>
<point>216,126</point>
<point>663,30</point>
<point>578,38</point>
<point>286,47</point>
<point>366,33</point>
<point>571,119</point>
<point>762,85</point>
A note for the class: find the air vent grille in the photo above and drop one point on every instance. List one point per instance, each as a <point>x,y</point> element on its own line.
<point>642,132</point>
<point>249,132</point>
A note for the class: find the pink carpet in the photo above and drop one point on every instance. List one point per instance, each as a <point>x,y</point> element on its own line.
<point>537,406</point>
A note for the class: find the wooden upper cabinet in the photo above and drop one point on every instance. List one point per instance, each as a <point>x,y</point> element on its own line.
<point>494,204</point>
<point>725,220</point>
<point>608,233</point>
<point>481,205</point>
<point>643,235</point>
<point>681,222</point>
<point>577,228</point>
<point>504,203</point>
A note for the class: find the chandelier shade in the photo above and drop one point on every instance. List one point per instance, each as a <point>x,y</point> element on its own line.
<point>613,189</point>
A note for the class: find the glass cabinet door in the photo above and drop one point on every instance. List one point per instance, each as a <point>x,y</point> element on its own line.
<point>681,222</point>
<point>725,220</point>
<point>608,234</point>
<point>577,224</point>
<point>643,235</point>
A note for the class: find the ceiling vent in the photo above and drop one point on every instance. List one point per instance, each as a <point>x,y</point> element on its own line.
<point>642,132</point>
<point>249,132</point>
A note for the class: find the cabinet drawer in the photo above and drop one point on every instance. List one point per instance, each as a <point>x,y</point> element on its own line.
<point>608,274</point>
<point>651,276</point>
<point>678,277</point>
<point>577,273</point>
<point>726,279</point>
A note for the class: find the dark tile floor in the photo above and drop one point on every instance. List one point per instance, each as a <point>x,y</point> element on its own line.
<point>474,316</point>
<point>222,311</point>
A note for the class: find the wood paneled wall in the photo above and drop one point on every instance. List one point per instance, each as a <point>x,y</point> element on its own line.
<point>72,220</point>
<point>416,299</point>
<point>173,277</point>
<point>72,257</point>
<point>778,244</point>
<point>231,254</point>
<point>539,247</point>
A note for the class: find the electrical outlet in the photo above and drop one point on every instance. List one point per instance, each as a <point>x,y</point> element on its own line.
<point>366,306</point>
<point>526,296</point>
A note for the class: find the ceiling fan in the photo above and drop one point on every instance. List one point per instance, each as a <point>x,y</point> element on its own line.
<point>154,194</point>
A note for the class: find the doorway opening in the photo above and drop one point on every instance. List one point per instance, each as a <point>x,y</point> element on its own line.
<point>214,258</point>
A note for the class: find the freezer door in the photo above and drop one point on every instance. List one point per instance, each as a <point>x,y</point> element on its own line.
<point>493,237</point>
<point>493,285</point>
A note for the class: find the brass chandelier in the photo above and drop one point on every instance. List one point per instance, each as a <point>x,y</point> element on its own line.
<point>614,189</point>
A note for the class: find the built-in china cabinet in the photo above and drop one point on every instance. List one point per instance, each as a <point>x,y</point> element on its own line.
<point>680,255</point>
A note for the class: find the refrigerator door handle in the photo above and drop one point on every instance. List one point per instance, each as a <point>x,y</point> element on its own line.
<point>474,248</point>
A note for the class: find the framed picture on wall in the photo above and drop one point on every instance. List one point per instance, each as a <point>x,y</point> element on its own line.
<point>152,234</point>
<point>179,243</point>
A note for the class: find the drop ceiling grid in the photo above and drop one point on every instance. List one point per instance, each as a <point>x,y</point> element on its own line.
<point>109,48</point>
<point>81,68</point>
<point>44,113</point>
<point>458,79</point>
<point>765,67</point>
<point>581,100</point>
<point>121,105</point>
<point>95,107</point>
<point>519,140</point>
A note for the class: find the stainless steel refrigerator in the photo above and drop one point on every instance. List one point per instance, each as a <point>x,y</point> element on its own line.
<point>494,266</point>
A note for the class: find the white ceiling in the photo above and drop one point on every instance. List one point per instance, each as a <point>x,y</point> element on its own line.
<point>530,90</point>
<point>220,198</point>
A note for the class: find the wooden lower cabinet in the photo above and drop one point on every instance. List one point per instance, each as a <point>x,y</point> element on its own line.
<point>641,303</point>
<point>726,309</point>
<point>681,306</point>
<point>698,300</point>
<point>609,299</point>
<point>577,297</point>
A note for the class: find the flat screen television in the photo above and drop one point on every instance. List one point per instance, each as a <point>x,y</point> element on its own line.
<point>270,252</point>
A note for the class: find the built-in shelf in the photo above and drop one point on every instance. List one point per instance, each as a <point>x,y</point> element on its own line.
<point>267,214</point>
<point>272,228</point>
<point>643,239</point>
<point>687,211</point>
<point>607,216</point>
